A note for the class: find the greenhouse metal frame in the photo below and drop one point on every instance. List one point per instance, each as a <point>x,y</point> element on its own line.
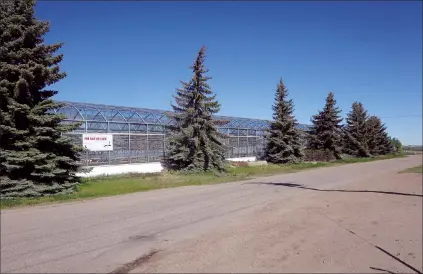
<point>139,134</point>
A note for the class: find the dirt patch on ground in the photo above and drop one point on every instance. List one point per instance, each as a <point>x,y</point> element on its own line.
<point>372,226</point>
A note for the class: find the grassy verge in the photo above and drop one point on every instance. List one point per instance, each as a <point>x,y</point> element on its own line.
<point>416,169</point>
<point>124,184</point>
<point>352,160</point>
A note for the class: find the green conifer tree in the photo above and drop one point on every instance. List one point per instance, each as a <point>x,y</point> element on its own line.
<point>378,140</point>
<point>356,135</point>
<point>283,139</point>
<point>35,159</point>
<point>326,131</point>
<point>194,143</point>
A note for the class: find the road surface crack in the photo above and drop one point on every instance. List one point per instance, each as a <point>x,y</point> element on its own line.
<point>134,264</point>
<point>375,246</point>
<point>380,269</point>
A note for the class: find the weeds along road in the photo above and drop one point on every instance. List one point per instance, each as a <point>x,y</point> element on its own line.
<point>282,223</point>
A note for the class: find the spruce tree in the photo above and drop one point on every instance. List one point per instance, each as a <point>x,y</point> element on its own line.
<point>283,138</point>
<point>379,142</point>
<point>356,135</point>
<point>194,143</point>
<point>326,131</point>
<point>35,159</point>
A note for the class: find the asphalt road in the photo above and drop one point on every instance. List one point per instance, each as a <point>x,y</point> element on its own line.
<point>113,234</point>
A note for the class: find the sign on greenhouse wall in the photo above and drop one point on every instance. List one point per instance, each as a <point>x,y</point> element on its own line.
<point>97,142</point>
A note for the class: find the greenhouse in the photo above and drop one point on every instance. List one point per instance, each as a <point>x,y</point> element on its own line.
<point>139,134</point>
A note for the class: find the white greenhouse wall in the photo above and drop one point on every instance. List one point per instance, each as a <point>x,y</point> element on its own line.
<point>154,167</point>
<point>242,159</point>
<point>123,169</point>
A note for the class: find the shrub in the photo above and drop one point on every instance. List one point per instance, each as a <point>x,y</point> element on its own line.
<point>313,155</point>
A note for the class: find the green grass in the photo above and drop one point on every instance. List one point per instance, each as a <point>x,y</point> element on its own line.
<point>124,184</point>
<point>352,160</point>
<point>416,169</point>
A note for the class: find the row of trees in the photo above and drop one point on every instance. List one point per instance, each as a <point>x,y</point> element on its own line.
<point>36,159</point>
<point>196,144</point>
<point>361,136</point>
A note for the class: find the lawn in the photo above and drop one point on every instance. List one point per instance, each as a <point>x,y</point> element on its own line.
<point>416,169</point>
<point>124,184</point>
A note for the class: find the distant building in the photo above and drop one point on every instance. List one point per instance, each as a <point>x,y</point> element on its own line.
<point>139,133</point>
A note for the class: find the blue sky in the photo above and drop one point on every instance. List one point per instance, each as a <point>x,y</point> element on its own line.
<point>135,54</point>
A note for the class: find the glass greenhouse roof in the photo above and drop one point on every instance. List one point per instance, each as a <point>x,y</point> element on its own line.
<point>76,111</point>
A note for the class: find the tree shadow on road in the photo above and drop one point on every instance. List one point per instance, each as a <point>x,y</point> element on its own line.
<point>337,190</point>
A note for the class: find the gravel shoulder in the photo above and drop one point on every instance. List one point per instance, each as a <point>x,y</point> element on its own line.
<point>324,220</point>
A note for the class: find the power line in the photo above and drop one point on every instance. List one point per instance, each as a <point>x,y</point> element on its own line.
<point>401,116</point>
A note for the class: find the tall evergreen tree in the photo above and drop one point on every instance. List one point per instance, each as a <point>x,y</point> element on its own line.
<point>284,138</point>
<point>326,131</point>
<point>378,141</point>
<point>194,143</point>
<point>35,159</point>
<point>356,132</point>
